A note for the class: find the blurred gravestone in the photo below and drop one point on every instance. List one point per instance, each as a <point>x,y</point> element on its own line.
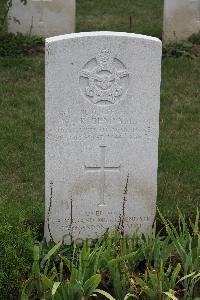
<point>102,127</point>
<point>181,19</point>
<point>42,17</point>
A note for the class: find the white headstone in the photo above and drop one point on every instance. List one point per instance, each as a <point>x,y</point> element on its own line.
<point>181,19</point>
<point>102,127</point>
<point>42,17</point>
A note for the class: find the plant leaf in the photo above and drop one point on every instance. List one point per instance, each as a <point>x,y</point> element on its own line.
<point>170,295</point>
<point>130,296</point>
<point>68,263</point>
<point>50,253</point>
<point>196,276</point>
<point>91,284</point>
<point>55,287</point>
<point>48,283</point>
<point>24,296</point>
<point>103,293</point>
<point>186,276</point>
<point>36,257</point>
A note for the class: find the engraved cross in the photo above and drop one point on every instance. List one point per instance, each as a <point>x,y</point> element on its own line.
<point>102,169</point>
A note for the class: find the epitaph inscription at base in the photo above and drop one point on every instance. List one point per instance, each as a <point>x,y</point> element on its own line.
<point>102,127</point>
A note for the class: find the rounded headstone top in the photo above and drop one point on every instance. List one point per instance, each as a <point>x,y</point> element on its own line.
<point>101,33</point>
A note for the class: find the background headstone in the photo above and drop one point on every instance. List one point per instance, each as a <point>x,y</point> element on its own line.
<point>42,17</point>
<point>102,127</point>
<point>181,19</point>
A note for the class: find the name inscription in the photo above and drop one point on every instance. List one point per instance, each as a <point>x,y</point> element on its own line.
<point>95,126</point>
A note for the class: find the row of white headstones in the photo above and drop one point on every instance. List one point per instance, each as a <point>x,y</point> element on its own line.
<point>50,18</point>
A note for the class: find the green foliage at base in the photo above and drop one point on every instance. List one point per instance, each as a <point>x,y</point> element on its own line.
<point>195,38</point>
<point>120,267</point>
<point>188,48</point>
<point>19,44</point>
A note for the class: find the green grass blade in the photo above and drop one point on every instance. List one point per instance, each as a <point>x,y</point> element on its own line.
<point>170,295</point>
<point>103,293</point>
<point>55,287</point>
<point>50,253</point>
<point>91,284</point>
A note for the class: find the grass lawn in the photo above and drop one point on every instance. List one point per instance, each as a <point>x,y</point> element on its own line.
<point>115,15</point>
<point>22,134</point>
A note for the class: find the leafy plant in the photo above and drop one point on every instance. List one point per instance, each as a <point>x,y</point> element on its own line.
<point>49,280</point>
<point>156,267</point>
<point>156,250</point>
<point>188,48</point>
<point>195,38</point>
<point>186,240</point>
<point>19,44</point>
<point>178,50</point>
<point>159,284</point>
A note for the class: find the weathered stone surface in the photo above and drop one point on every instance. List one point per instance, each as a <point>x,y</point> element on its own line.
<point>181,19</point>
<point>42,17</point>
<point>102,127</point>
